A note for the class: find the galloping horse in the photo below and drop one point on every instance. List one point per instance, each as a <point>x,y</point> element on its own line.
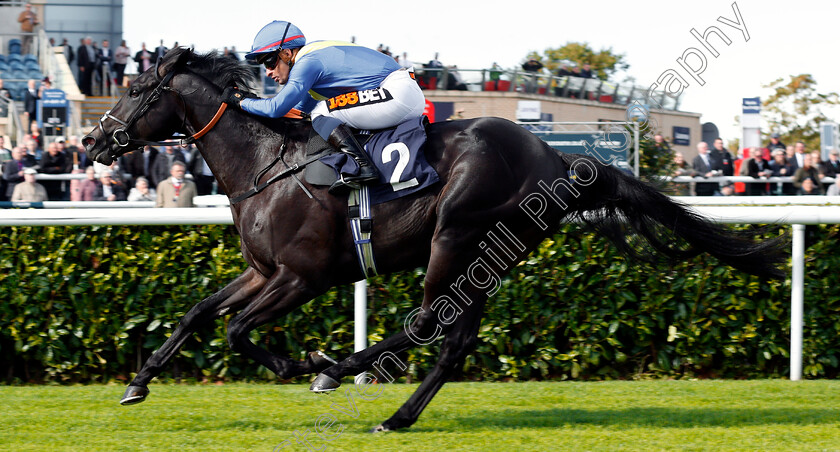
<point>502,191</point>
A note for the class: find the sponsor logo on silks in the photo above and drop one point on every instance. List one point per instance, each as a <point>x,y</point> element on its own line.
<point>358,98</point>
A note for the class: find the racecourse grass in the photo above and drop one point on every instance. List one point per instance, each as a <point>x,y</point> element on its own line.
<point>536,416</point>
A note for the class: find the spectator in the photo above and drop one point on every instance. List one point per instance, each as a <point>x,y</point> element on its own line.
<point>831,167</point>
<point>807,171</point>
<point>5,153</point>
<point>163,165</point>
<point>834,189</point>
<point>90,186</point>
<point>454,80</point>
<point>809,187</point>
<point>141,191</point>
<point>143,58</point>
<point>176,191</point>
<point>818,163</point>
<point>30,102</point>
<point>28,20</point>
<point>108,189</point>
<point>703,167</point>
<point>722,159</point>
<point>202,176</point>
<point>682,168</point>
<point>76,156</point>
<point>495,75</point>
<point>69,55</point>
<point>564,71</point>
<point>140,163</point>
<point>233,53</point>
<point>32,149</point>
<point>13,169</point>
<point>660,145</point>
<point>780,167</point>
<point>54,162</point>
<point>160,51</point>
<point>121,56</point>
<point>5,156</point>
<point>403,61</point>
<point>35,134</point>
<point>116,171</point>
<point>87,65</point>
<point>29,190</point>
<point>728,189</point>
<point>798,155</point>
<point>4,92</point>
<point>432,72</point>
<point>775,143</point>
<point>532,66</point>
<point>104,59</point>
<point>586,71</point>
<point>755,166</point>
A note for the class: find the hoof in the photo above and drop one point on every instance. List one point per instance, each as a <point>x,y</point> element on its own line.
<point>134,394</point>
<point>321,361</point>
<point>324,383</point>
<point>380,428</point>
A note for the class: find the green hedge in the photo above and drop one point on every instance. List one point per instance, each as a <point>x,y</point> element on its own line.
<point>89,304</point>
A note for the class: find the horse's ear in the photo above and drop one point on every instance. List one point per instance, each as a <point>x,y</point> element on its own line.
<point>173,60</point>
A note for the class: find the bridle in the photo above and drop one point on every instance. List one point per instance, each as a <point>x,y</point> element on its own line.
<point>122,139</point>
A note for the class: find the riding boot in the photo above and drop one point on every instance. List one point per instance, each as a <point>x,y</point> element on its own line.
<point>343,140</point>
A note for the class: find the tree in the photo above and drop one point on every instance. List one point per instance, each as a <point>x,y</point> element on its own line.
<point>795,110</point>
<point>604,62</point>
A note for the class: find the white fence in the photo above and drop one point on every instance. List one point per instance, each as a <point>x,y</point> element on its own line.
<point>753,210</point>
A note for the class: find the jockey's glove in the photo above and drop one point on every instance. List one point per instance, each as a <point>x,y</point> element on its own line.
<point>233,95</point>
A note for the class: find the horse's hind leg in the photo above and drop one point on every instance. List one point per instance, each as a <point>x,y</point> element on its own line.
<point>230,298</point>
<point>283,292</point>
<point>458,343</point>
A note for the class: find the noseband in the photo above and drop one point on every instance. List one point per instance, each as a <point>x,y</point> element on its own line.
<point>122,139</point>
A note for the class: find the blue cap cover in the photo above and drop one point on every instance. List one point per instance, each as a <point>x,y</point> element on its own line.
<point>274,36</point>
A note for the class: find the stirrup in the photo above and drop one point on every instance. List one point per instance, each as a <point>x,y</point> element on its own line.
<point>342,186</point>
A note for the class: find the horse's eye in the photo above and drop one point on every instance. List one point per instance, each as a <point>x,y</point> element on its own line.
<point>134,92</point>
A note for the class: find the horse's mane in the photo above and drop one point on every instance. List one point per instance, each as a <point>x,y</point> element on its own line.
<point>221,70</point>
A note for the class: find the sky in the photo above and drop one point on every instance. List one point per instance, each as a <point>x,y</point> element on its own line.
<point>785,38</point>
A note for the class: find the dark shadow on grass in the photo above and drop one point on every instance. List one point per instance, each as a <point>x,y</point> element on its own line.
<point>640,417</point>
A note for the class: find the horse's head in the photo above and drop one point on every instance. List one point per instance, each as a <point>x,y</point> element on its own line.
<point>154,107</point>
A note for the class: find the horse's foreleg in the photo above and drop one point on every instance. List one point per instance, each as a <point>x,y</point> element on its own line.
<point>230,298</point>
<point>283,292</point>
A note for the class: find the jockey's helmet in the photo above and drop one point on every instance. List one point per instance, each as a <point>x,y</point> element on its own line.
<point>275,36</point>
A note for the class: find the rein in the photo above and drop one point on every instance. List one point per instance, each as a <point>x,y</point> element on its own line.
<point>289,171</point>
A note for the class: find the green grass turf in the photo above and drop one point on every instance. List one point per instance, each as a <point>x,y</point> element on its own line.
<point>576,416</point>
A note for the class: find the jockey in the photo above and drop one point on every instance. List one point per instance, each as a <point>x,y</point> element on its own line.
<point>340,84</point>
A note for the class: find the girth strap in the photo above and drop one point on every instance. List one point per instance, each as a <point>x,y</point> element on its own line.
<point>361,225</point>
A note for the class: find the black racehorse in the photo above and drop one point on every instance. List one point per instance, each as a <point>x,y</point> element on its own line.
<point>501,192</point>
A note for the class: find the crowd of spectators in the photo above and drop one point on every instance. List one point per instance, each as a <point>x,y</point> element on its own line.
<point>172,176</point>
<point>99,66</point>
<point>806,170</point>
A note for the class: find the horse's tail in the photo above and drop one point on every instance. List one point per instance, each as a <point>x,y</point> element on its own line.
<point>618,205</point>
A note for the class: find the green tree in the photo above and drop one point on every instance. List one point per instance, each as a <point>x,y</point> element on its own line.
<point>604,62</point>
<point>795,110</point>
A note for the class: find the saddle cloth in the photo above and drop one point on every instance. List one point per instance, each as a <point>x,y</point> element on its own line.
<point>398,155</point>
